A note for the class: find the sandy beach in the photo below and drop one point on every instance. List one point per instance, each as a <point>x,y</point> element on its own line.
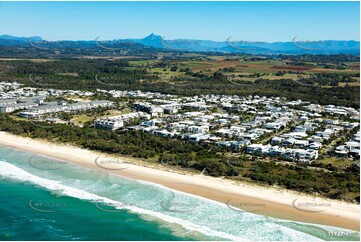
<point>275,202</point>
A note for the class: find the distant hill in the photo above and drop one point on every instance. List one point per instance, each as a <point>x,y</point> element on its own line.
<point>228,46</point>
<point>151,40</point>
<point>292,47</point>
<point>23,39</point>
<point>8,40</point>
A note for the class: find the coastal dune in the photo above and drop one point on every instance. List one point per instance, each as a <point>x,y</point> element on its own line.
<point>270,201</point>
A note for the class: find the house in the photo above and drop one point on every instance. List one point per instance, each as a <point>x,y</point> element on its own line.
<point>108,124</point>
<point>354,152</point>
<point>198,137</point>
<point>303,118</point>
<point>280,151</point>
<point>222,121</point>
<point>200,120</point>
<point>163,133</point>
<point>262,150</point>
<point>38,108</point>
<point>7,102</point>
<point>276,140</point>
<point>259,131</point>
<point>198,129</point>
<point>250,149</point>
<point>252,136</point>
<point>149,129</point>
<point>178,127</point>
<point>148,123</point>
<point>187,122</point>
<point>153,110</point>
<point>170,110</point>
<point>352,145</point>
<point>237,129</point>
<point>9,108</point>
<point>289,154</point>
<point>299,135</point>
<point>306,156</point>
<point>300,129</point>
<point>275,151</point>
<point>213,138</point>
<point>224,143</point>
<point>273,126</point>
<point>314,146</point>
<point>196,105</point>
<point>301,143</point>
<point>356,137</point>
<point>134,128</point>
<point>341,151</point>
<point>289,142</point>
<point>316,138</point>
<point>224,133</point>
<point>331,121</point>
<point>238,145</point>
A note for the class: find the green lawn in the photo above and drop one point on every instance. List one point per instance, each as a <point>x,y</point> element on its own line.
<point>80,119</point>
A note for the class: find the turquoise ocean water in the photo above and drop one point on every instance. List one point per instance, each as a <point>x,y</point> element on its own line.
<point>45,199</point>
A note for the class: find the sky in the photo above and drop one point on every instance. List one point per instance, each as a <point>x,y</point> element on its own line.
<point>249,21</point>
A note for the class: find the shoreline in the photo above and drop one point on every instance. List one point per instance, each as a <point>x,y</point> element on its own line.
<point>269,201</point>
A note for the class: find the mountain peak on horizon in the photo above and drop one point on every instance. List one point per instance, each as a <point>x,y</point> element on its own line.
<point>156,41</point>
<point>152,36</point>
<point>152,40</point>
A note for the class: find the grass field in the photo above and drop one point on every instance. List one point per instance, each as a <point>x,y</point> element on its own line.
<point>340,163</point>
<point>27,59</point>
<point>241,69</point>
<point>266,67</point>
<point>79,120</point>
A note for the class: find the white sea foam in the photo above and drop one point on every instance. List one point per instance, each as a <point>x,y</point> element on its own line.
<point>10,171</point>
<point>209,218</point>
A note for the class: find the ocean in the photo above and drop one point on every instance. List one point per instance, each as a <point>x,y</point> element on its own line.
<point>45,199</point>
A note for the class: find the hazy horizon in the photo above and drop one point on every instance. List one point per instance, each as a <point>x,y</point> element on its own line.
<point>98,38</point>
<point>216,21</point>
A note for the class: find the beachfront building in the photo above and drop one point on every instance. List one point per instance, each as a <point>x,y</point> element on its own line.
<point>108,124</point>
<point>62,106</point>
